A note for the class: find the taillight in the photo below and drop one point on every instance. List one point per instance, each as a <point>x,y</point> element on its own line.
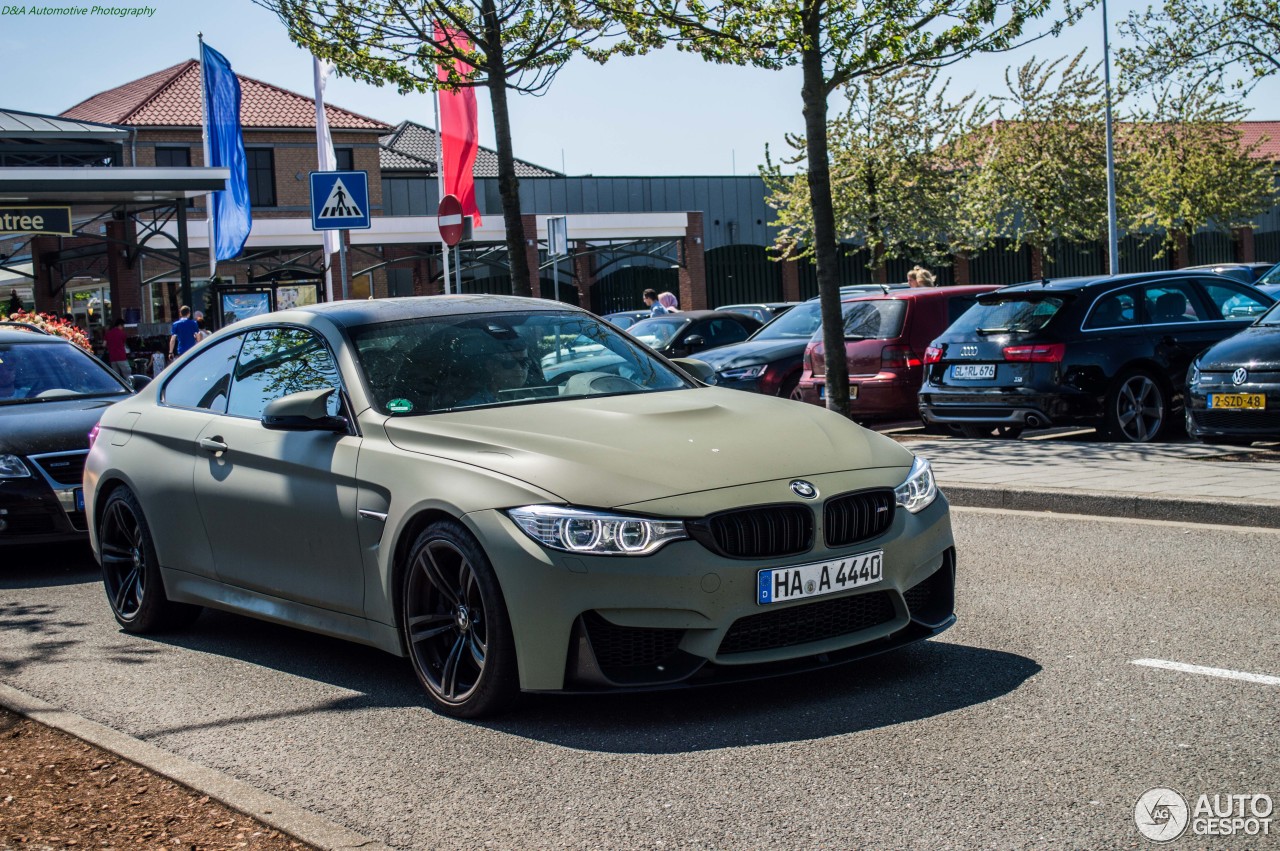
<point>933,354</point>
<point>898,357</point>
<point>1043,353</point>
<point>93,434</point>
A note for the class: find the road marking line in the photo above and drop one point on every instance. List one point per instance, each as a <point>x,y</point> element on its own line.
<point>1184,525</point>
<point>1211,672</point>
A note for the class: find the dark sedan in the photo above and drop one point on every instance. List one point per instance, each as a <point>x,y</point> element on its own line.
<point>1269,281</point>
<point>626,318</point>
<point>766,312</point>
<point>1110,351</point>
<point>685,334</point>
<point>1247,273</point>
<point>1233,389</point>
<point>771,360</point>
<point>51,396</point>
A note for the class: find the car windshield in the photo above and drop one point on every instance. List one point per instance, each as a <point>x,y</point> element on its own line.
<point>1271,276</point>
<point>1014,313</point>
<point>874,319</point>
<point>1271,317</point>
<point>658,331</point>
<point>39,372</point>
<point>799,323</point>
<point>448,363</point>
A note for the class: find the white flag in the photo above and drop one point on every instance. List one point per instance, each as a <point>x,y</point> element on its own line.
<point>327,160</point>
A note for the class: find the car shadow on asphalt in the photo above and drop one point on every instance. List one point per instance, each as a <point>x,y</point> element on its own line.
<point>47,566</point>
<point>916,682</point>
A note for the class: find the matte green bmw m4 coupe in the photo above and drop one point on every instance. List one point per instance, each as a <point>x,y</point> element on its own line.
<point>516,496</point>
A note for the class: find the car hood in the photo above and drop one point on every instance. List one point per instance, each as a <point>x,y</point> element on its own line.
<point>33,428</point>
<point>1257,347</point>
<point>606,452</point>
<point>752,352</point>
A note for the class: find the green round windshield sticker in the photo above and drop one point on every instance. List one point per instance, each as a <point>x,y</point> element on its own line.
<point>399,406</point>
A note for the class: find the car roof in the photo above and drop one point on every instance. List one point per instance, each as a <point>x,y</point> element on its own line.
<point>1085,281</point>
<point>730,307</point>
<point>9,334</point>
<point>356,312</point>
<point>926,293</point>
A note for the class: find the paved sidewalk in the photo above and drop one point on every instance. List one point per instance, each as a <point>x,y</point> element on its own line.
<point>1168,481</point>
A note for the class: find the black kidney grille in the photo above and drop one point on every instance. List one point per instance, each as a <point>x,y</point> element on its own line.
<point>812,622</point>
<point>772,530</point>
<point>628,646</point>
<point>857,517</point>
<point>65,469</point>
<point>1250,421</point>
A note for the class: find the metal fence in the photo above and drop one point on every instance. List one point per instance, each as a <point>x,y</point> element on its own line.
<point>742,274</point>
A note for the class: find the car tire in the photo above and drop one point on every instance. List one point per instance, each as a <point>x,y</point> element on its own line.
<point>454,624</point>
<point>1138,408</point>
<point>980,432</point>
<point>131,570</point>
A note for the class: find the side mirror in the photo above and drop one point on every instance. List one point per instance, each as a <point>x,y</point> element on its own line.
<point>139,382</point>
<point>694,342</point>
<point>305,411</point>
<point>700,370</point>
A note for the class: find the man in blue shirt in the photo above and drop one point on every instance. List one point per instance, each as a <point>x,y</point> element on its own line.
<point>183,333</point>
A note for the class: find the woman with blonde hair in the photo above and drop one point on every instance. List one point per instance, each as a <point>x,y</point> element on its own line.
<point>920,277</point>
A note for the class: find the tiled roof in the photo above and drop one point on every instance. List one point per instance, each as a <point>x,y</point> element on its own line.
<point>171,98</point>
<point>1254,131</point>
<point>412,147</point>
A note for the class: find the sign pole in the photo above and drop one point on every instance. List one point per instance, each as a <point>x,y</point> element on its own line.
<point>342,260</point>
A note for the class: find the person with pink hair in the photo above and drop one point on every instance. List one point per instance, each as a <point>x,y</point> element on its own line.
<point>669,301</point>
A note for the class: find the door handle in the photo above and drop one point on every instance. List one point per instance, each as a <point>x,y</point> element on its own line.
<point>213,444</point>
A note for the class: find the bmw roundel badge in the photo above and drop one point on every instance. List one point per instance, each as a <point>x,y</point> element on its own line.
<point>803,489</point>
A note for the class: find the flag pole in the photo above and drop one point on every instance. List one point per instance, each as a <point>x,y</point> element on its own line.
<point>435,103</point>
<point>208,199</point>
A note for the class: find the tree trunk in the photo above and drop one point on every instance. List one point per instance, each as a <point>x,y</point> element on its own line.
<point>508,183</point>
<point>814,94</point>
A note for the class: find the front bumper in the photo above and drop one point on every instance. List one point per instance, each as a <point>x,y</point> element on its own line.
<point>686,615</point>
<point>33,512</point>
<point>1204,422</point>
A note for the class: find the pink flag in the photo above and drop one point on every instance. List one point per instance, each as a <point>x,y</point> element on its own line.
<point>459,129</point>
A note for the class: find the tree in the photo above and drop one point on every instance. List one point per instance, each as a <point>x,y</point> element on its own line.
<point>1186,168</point>
<point>1038,173</point>
<point>833,42</point>
<point>515,45</point>
<point>1200,40</point>
<point>892,184</point>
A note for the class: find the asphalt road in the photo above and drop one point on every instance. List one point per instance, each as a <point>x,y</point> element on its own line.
<point>1025,726</point>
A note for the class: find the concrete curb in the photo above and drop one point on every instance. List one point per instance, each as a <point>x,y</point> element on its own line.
<point>1221,512</point>
<point>302,824</point>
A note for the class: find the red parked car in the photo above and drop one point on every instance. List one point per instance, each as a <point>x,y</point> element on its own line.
<point>885,338</point>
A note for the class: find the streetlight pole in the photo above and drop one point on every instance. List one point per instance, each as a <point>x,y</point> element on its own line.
<point>1113,236</point>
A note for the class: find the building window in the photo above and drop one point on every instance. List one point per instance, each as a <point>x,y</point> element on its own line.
<point>173,157</point>
<point>345,159</point>
<point>262,176</point>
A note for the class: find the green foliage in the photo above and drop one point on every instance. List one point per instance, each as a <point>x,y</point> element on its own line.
<point>1038,173</point>
<point>892,183</point>
<point>1201,40</point>
<point>1183,165</point>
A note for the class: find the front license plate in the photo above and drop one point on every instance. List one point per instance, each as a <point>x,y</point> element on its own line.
<point>79,494</point>
<point>970,371</point>
<point>822,391</point>
<point>780,584</point>
<point>1239,401</point>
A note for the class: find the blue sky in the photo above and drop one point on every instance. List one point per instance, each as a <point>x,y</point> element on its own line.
<point>667,113</point>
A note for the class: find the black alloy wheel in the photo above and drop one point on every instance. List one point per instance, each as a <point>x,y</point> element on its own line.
<point>455,625</point>
<point>131,570</point>
<point>1137,408</point>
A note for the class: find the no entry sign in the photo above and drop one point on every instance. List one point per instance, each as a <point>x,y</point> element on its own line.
<point>450,219</point>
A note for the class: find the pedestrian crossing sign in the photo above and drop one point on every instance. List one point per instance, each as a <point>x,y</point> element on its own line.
<point>340,200</point>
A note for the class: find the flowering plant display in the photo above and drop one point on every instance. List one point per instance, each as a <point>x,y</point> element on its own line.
<point>53,325</point>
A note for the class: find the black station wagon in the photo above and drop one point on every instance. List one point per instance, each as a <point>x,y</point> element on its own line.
<point>1111,352</point>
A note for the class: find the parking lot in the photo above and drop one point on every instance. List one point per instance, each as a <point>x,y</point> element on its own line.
<point>1026,725</point>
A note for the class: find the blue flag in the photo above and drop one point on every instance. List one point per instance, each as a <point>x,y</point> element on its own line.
<point>230,215</point>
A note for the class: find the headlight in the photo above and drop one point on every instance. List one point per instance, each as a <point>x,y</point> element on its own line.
<point>11,467</point>
<point>919,490</point>
<point>576,530</point>
<point>743,373</point>
<point>1193,374</point>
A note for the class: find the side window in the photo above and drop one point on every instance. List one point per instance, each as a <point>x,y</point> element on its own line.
<point>276,362</point>
<point>725,331</point>
<point>1171,303</point>
<point>1114,310</point>
<point>203,381</point>
<point>1231,301</point>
